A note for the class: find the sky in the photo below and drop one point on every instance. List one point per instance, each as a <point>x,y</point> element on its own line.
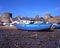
<point>30,8</point>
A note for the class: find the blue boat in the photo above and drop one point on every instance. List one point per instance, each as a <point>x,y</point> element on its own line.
<point>56,26</point>
<point>42,26</point>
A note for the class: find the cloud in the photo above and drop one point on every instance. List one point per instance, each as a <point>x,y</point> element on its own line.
<point>52,10</point>
<point>58,8</point>
<point>42,12</point>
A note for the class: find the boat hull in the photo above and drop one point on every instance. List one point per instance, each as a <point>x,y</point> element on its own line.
<point>33,26</point>
<point>56,26</point>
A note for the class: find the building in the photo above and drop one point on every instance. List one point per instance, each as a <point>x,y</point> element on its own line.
<point>48,16</point>
<point>0,22</point>
<point>54,19</point>
<point>5,17</point>
<point>37,17</point>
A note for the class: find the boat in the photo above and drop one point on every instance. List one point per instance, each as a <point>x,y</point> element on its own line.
<point>56,26</point>
<point>42,26</point>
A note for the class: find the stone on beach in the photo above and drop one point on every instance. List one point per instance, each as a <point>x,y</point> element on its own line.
<point>13,38</point>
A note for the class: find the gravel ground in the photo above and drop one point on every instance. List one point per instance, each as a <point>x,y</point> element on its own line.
<point>13,38</point>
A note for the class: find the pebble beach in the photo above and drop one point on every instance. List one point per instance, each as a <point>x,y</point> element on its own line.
<point>10,37</point>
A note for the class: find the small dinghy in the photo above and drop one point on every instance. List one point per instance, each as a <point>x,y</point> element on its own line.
<point>42,26</point>
<point>56,26</point>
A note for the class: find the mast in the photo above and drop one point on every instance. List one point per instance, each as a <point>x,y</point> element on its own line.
<point>11,20</point>
<point>19,19</point>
